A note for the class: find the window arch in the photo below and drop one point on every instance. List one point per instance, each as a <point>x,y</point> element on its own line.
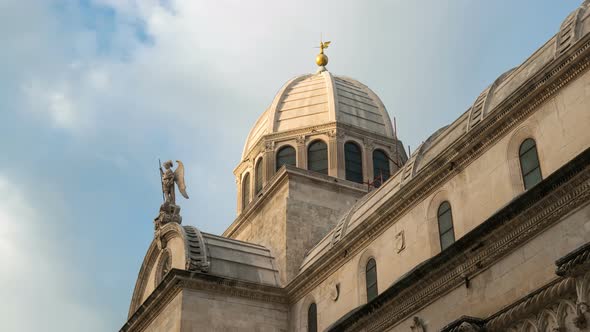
<point>353,162</point>
<point>258,176</point>
<point>245,191</point>
<point>445,225</point>
<point>317,157</point>
<point>371,279</point>
<point>380,167</point>
<point>312,318</point>
<point>529,163</point>
<point>286,156</point>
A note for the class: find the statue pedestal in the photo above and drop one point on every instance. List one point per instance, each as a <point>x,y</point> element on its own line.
<point>168,213</point>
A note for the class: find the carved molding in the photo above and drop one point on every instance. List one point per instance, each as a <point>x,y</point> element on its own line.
<point>179,280</point>
<point>234,288</point>
<point>417,325</point>
<point>465,324</point>
<point>300,140</point>
<point>528,307</point>
<point>574,263</point>
<point>568,191</point>
<point>197,250</point>
<point>497,124</point>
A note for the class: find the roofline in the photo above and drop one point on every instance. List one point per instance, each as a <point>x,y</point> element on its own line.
<point>524,100</point>
<point>465,246</point>
<point>177,280</point>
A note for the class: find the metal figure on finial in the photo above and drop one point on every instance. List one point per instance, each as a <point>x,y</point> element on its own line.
<point>322,59</point>
<point>169,211</point>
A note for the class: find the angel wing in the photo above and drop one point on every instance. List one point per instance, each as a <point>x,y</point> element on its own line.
<point>179,178</point>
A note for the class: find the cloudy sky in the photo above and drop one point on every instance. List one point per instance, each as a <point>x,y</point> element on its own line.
<point>93,92</point>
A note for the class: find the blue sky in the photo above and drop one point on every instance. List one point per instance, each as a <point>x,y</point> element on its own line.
<point>93,92</point>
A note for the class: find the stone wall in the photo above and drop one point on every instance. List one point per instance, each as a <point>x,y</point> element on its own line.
<point>491,181</point>
<point>295,216</point>
<point>517,275</point>
<point>169,319</point>
<point>206,311</point>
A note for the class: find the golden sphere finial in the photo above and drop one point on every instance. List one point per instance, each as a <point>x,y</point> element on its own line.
<point>322,59</point>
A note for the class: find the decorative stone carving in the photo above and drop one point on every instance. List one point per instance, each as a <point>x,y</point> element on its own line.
<point>334,291</point>
<point>575,262</point>
<point>163,267</point>
<point>369,144</point>
<point>198,256</point>
<point>417,325</point>
<point>301,139</point>
<point>467,327</point>
<point>168,213</point>
<point>400,241</point>
<point>269,146</point>
<point>581,321</point>
<point>169,178</point>
<point>465,324</point>
<point>331,133</point>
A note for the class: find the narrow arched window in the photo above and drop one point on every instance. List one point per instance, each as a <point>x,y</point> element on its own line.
<point>445,225</point>
<point>529,163</point>
<point>245,191</point>
<point>312,318</point>
<point>353,162</point>
<point>371,279</point>
<point>258,176</point>
<point>380,167</point>
<point>286,156</point>
<point>317,157</point>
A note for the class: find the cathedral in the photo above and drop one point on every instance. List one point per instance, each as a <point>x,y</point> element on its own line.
<point>484,227</point>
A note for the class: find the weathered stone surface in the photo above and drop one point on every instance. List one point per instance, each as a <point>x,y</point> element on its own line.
<point>310,235</point>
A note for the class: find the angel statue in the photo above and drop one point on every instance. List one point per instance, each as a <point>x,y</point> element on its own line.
<point>169,178</point>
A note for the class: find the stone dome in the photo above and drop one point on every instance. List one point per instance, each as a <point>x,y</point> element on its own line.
<point>321,98</point>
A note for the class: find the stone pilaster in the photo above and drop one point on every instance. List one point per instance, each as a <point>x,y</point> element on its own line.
<point>301,161</point>
<point>269,161</point>
<point>332,153</point>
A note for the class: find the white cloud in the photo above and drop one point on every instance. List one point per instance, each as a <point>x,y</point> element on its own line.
<point>39,285</point>
<point>53,101</point>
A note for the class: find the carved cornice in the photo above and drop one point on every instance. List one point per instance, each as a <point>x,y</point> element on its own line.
<point>465,324</point>
<point>524,218</point>
<point>328,129</point>
<point>532,304</point>
<point>153,305</point>
<point>196,250</point>
<point>507,115</point>
<point>179,280</point>
<point>234,288</point>
<point>575,262</point>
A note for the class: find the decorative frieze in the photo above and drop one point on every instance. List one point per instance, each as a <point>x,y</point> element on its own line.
<point>465,324</point>
<point>505,117</point>
<point>540,208</point>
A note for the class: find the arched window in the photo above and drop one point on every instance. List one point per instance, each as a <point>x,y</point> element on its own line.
<point>529,163</point>
<point>286,156</point>
<point>317,157</point>
<point>258,176</point>
<point>312,318</point>
<point>380,167</point>
<point>445,225</point>
<point>371,279</point>
<point>245,191</point>
<point>353,162</point>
